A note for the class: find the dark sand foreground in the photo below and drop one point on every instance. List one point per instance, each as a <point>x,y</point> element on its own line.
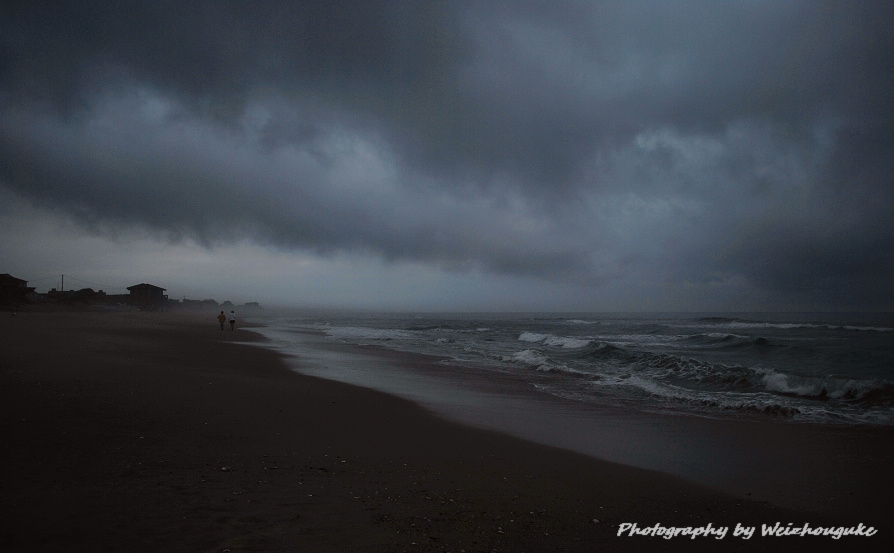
<point>159,432</point>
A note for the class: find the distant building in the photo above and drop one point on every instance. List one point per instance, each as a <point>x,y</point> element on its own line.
<point>14,291</point>
<point>198,305</point>
<point>147,296</point>
<point>193,304</point>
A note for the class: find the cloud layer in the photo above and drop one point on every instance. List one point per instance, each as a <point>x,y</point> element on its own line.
<point>654,149</point>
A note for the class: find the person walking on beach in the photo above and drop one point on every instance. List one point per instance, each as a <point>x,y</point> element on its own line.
<point>232,320</point>
<point>222,318</point>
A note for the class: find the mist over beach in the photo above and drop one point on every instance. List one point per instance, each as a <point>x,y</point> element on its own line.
<point>493,275</point>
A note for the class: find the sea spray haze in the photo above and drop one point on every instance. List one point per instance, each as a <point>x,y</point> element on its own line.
<point>816,368</point>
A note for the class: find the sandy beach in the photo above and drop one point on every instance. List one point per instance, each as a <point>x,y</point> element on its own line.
<point>160,432</point>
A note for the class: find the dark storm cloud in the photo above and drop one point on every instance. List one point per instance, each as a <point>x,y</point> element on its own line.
<point>218,51</point>
<point>667,143</point>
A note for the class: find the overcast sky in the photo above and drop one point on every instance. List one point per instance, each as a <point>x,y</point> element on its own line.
<point>456,155</point>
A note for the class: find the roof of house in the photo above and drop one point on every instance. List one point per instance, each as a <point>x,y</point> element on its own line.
<point>144,286</point>
<point>8,279</point>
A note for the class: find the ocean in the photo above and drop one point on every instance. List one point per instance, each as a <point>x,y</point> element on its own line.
<point>812,368</point>
<point>795,409</point>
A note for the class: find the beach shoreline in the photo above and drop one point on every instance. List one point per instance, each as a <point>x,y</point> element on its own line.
<point>838,470</point>
<point>148,431</point>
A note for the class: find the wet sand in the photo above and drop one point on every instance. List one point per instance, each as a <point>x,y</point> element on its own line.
<point>160,432</point>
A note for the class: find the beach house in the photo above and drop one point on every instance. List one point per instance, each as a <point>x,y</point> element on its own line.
<point>14,291</point>
<point>147,296</point>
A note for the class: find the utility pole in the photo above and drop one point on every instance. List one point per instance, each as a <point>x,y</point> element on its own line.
<point>63,283</point>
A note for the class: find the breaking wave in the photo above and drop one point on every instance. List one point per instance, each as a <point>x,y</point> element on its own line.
<point>803,368</point>
<point>702,384</point>
<point>744,324</point>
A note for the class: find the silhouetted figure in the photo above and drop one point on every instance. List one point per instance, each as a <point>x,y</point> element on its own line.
<point>232,320</point>
<point>223,319</point>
